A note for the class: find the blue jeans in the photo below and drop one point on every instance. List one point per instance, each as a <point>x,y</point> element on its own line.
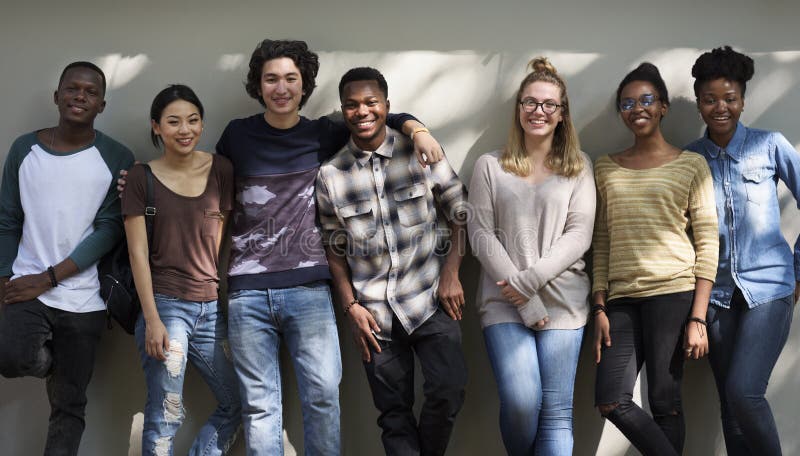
<point>744,347</point>
<point>535,375</point>
<point>196,332</point>
<point>302,317</point>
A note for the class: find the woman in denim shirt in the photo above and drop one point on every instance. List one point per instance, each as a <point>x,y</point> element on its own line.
<point>757,279</point>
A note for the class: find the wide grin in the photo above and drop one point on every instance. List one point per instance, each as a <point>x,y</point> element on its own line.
<point>365,124</point>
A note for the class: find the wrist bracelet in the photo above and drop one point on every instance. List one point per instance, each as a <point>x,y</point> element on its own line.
<point>697,320</point>
<point>598,308</point>
<point>52,274</point>
<point>351,304</point>
<point>418,130</point>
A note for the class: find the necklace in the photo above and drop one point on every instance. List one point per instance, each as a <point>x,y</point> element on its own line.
<point>53,138</point>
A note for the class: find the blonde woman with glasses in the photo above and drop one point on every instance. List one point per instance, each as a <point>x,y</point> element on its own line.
<point>534,205</point>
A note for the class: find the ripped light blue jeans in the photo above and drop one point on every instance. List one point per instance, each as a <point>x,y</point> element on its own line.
<point>197,332</point>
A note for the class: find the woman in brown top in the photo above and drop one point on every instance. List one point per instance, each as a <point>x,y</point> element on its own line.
<point>176,275</point>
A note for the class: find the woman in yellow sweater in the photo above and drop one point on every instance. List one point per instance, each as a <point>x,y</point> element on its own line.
<point>655,259</point>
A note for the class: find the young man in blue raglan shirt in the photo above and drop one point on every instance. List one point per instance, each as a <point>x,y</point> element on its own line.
<point>59,214</point>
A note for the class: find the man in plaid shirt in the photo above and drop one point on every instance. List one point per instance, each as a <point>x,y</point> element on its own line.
<point>377,206</point>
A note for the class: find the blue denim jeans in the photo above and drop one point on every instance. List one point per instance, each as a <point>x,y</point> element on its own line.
<point>197,333</point>
<point>744,346</point>
<point>302,317</point>
<point>535,375</point>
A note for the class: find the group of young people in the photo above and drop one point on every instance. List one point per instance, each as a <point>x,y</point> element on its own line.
<point>370,209</point>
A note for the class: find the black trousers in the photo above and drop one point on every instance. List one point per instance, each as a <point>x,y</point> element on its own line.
<point>437,344</point>
<point>40,341</point>
<point>646,330</point>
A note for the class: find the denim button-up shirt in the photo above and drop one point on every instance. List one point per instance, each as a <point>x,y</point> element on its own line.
<point>753,254</point>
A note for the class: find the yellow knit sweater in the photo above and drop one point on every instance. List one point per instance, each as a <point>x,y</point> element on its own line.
<point>655,229</point>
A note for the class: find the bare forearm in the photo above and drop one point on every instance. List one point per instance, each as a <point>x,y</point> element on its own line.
<point>410,125</point>
<point>340,273</point>
<point>458,245</point>
<point>702,294</point>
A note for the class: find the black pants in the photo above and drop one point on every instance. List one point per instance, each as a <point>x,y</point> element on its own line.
<point>646,330</point>
<point>40,341</point>
<point>437,344</point>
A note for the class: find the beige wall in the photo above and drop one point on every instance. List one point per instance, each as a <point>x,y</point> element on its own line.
<point>454,64</point>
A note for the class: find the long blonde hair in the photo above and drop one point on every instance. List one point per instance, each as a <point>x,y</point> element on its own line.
<point>565,158</point>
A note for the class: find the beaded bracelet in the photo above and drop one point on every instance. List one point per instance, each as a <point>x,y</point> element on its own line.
<point>351,304</point>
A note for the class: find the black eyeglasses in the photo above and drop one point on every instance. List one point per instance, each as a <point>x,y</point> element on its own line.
<point>529,105</point>
<point>646,100</point>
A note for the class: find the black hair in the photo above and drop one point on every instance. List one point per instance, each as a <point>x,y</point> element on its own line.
<point>646,72</point>
<point>172,93</point>
<point>363,74</point>
<point>82,64</point>
<point>722,62</point>
<point>306,61</point>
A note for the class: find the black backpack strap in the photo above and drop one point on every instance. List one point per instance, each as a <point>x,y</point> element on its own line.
<point>150,204</point>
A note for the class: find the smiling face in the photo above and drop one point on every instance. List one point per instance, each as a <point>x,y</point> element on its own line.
<point>720,102</point>
<point>364,107</point>
<point>179,127</point>
<point>80,96</point>
<point>642,120</point>
<point>281,87</point>
<point>538,124</point>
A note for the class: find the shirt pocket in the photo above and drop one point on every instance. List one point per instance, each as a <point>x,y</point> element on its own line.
<point>211,222</point>
<point>412,204</point>
<point>359,219</point>
<point>759,184</point>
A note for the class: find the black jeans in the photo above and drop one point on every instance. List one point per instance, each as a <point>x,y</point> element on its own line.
<point>437,344</point>
<point>646,330</point>
<point>40,341</point>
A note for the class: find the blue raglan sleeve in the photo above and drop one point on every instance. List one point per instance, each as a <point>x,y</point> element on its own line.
<point>108,228</point>
<point>11,213</point>
<point>787,161</point>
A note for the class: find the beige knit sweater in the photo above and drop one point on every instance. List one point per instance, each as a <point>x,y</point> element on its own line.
<point>534,236</point>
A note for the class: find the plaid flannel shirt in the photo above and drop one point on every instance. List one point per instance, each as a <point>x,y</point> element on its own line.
<point>379,210</point>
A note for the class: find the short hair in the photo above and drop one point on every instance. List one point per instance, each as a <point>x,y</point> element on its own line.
<point>722,62</point>
<point>305,60</point>
<point>646,72</point>
<point>82,64</point>
<point>565,158</point>
<point>363,74</point>
<point>173,92</point>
